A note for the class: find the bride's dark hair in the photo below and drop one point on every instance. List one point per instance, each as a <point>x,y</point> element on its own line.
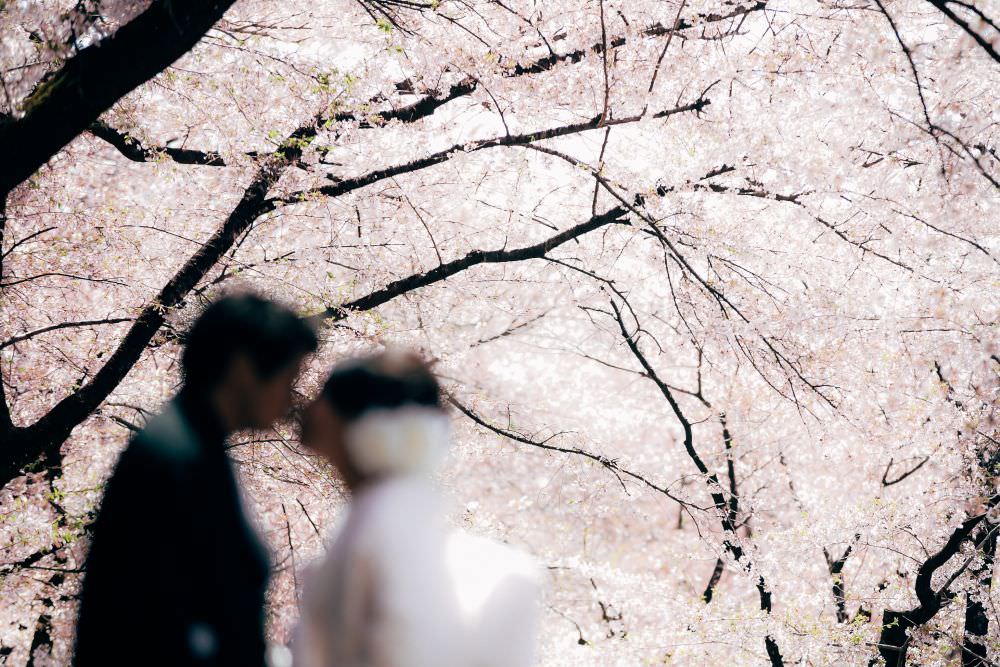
<point>384,380</point>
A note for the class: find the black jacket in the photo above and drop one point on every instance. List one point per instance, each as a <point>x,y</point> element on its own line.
<point>175,574</point>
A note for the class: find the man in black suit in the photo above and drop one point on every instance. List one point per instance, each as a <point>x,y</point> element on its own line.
<point>176,575</point>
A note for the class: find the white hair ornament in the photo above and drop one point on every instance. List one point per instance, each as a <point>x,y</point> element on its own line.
<point>403,440</point>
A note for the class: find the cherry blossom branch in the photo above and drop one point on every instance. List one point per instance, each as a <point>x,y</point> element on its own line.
<point>795,198</point>
<point>350,184</point>
<point>658,30</point>
<point>509,331</point>
<point>889,482</point>
<point>940,230</point>
<point>723,301</point>
<point>390,9</point>
<point>608,463</point>
<point>896,625</point>
<point>133,149</point>
<point>96,77</point>
<point>933,129</point>
<point>225,274</point>
<point>716,490</point>
<point>424,107</point>
<point>715,487</point>
<point>703,18</point>
<point>966,26</point>
<point>62,325</point>
<point>22,241</point>
<point>614,216</point>
<point>19,280</point>
<point>45,436</point>
<point>663,53</point>
<point>606,110</point>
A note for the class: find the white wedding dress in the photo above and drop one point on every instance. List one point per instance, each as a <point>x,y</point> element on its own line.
<point>400,588</point>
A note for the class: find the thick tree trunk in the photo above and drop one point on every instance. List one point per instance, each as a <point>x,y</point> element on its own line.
<point>88,84</point>
<point>977,622</point>
<point>6,426</point>
<point>836,569</point>
<point>894,640</point>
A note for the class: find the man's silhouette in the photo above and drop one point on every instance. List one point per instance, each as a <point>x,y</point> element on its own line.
<point>176,575</point>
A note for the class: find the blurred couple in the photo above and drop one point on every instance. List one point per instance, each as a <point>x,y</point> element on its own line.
<point>177,574</point>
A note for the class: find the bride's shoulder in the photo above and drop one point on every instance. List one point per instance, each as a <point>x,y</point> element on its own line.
<point>474,556</point>
<point>394,510</point>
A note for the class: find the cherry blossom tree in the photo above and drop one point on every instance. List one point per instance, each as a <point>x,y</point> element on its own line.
<point>712,286</point>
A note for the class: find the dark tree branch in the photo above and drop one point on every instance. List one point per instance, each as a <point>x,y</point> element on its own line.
<point>836,569</point>
<point>977,620</point>
<point>133,149</point>
<point>965,25</point>
<point>97,77</point>
<point>896,625</point>
<point>62,325</point>
<point>610,464</point>
<point>614,216</point>
<point>889,482</point>
<point>713,579</point>
<point>724,303</point>
<point>909,57</point>
<point>506,140</point>
<point>509,331</point>
<point>663,53</point>
<point>26,563</point>
<point>730,543</point>
<point>733,505</point>
<point>6,425</point>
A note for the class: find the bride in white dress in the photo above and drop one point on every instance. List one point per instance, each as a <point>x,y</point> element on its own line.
<point>398,586</point>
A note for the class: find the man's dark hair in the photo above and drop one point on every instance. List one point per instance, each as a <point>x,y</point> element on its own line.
<point>384,380</point>
<point>268,333</point>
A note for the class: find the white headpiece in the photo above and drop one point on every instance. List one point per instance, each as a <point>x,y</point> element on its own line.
<point>392,441</point>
